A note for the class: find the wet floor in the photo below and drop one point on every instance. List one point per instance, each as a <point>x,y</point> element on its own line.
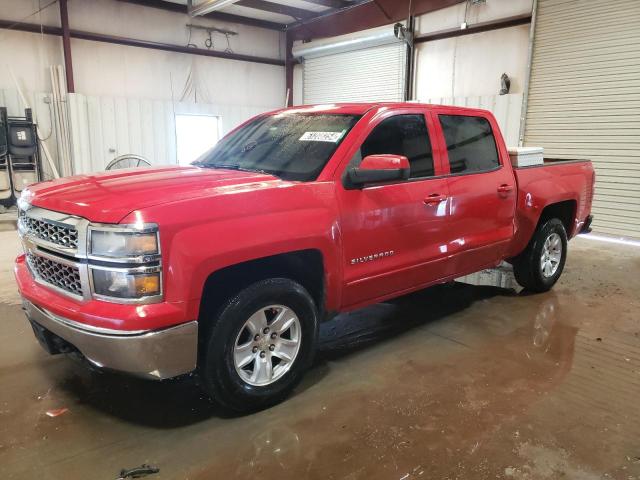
<point>453,382</point>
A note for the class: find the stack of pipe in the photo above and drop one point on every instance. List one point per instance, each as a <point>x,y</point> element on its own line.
<point>61,119</point>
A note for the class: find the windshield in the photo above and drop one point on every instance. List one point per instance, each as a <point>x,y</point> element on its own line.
<point>290,146</point>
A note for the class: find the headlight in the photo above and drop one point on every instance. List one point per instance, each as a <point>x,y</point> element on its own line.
<point>127,266</point>
<point>123,243</point>
<point>24,201</point>
<point>126,284</point>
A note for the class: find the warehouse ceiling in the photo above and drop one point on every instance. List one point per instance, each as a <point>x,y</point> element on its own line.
<point>283,12</point>
<point>309,18</point>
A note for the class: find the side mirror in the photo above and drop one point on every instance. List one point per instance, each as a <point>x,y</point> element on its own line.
<point>378,169</point>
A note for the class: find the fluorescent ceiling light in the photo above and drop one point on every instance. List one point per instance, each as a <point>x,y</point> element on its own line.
<point>208,6</point>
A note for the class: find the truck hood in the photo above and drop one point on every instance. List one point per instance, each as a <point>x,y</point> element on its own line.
<point>109,197</point>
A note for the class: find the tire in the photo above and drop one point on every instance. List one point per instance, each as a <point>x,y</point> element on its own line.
<point>535,272</point>
<point>234,340</point>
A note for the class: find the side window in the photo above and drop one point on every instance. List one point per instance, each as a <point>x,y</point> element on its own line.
<point>470,144</point>
<point>402,135</point>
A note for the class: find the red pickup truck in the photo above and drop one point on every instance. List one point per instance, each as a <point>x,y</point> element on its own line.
<point>225,268</point>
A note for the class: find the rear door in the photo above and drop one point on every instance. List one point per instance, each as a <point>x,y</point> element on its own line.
<point>394,234</point>
<point>481,188</point>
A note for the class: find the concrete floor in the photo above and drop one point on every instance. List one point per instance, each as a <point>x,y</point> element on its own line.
<point>454,382</point>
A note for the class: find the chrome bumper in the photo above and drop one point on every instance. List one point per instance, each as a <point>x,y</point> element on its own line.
<point>157,354</point>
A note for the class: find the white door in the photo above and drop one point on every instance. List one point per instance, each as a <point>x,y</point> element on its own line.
<point>584,100</point>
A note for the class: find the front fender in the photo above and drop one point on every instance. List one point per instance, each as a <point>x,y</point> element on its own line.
<point>200,237</point>
<point>238,241</point>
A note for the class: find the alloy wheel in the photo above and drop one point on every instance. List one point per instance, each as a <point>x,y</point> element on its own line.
<point>267,345</point>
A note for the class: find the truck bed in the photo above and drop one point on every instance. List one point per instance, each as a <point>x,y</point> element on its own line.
<point>549,162</point>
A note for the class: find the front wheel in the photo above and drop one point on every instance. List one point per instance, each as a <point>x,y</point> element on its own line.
<point>539,267</point>
<point>260,345</point>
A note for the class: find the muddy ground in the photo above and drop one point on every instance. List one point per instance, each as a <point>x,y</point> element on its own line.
<point>453,382</point>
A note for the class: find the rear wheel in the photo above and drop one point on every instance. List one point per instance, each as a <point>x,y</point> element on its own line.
<point>539,267</point>
<point>260,345</point>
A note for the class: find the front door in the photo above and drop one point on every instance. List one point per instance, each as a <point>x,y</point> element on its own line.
<point>393,234</point>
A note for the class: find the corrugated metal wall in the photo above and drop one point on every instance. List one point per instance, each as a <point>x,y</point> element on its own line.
<point>104,127</point>
<point>366,75</point>
<point>506,108</point>
<point>584,99</point>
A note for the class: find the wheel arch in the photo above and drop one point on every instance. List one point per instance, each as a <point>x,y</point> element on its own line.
<point>564,210</point>
<point>305,267</point>
<point>528,220</point>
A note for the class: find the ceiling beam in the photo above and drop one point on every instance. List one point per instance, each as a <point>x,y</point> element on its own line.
<point>330,3</point>
<point>363,15</point>
<point>223,17</point>
<point>271,7</point>
<point>304,24</point>
<point>384,12</point>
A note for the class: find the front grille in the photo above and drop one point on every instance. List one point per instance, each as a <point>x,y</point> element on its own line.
<point>53,233</point>
<point>55,273</point>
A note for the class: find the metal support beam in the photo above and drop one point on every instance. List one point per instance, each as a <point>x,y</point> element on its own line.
<point>98,37</point>
<point>477,28</point>
<point>66,46</point>
<point>131,42</point>
<point>384,12</point>
<point>410,61</point>
<point>288,67</point>
<point>363,15</point>
<point>30,27</point>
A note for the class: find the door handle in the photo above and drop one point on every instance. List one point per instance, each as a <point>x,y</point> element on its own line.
<point>504,188</point>
<point>434,199</point>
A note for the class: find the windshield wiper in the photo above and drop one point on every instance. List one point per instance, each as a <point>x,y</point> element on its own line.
<point>232,167</point>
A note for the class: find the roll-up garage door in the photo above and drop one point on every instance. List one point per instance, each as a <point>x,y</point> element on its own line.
<point>365,75</point>
<point>584,99</point>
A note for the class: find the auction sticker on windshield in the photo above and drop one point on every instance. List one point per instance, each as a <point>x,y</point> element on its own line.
<point>331,137</point>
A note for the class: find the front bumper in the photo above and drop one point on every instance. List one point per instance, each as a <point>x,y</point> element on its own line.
<point>155,354</point>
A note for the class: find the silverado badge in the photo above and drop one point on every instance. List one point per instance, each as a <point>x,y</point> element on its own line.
<point>370,258</point>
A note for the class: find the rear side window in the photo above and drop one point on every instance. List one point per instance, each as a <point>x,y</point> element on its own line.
<point>402,135</point>
<point>470,144</point>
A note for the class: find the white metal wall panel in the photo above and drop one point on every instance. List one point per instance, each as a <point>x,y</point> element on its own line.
<point>366,75</point>
<point>584,99</point>
<point>103,128</point>
<point>506,108</point>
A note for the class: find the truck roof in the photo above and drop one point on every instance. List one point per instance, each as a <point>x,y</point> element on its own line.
<point>361,108</point>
